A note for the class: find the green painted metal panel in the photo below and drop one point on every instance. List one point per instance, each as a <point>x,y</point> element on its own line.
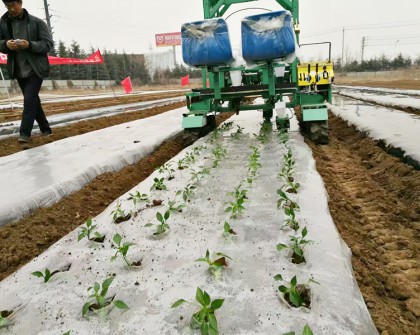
<point>310,99</point>
<point>203,106</point>
<point>315,114</point>
<point>194,121</point>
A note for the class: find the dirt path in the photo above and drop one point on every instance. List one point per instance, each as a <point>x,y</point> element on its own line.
<point>375,203</point>
<point>23,240</point>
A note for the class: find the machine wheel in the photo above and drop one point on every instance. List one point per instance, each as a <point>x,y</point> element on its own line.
<point>193,134</point>
<point>190,136</point>
<point>317,131</point>
<point>267,115</point>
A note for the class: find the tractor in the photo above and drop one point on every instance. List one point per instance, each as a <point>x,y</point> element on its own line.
<point>270,73</point>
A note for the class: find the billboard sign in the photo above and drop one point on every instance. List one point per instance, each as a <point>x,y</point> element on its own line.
<point>168,39</point>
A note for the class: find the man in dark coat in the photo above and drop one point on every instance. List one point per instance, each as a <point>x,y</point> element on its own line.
<point>27,40</point>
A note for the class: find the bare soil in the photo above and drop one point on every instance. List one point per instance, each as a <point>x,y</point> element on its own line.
<point>374,199</point>
<point>400,83</point>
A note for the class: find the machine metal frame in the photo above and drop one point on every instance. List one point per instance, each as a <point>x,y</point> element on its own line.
<point>306,85</point>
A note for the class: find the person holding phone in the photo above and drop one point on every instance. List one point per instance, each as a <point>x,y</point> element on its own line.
<point>27,40</point>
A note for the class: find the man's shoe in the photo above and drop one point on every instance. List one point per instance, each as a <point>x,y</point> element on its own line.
<point>47,133</point>
<point>24,139</point>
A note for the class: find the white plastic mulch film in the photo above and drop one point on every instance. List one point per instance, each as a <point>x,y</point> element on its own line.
<point>41,176</point>
<point>169,272</point>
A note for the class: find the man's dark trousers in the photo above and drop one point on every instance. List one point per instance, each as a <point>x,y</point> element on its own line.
<point>32,109</point>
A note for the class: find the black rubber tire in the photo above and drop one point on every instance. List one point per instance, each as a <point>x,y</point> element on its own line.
<point>317,131</point>
<point>267,115</point>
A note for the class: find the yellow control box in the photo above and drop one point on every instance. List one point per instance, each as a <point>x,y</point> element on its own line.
<point>318,73</point>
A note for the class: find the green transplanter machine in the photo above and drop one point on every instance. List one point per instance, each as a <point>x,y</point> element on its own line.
<point>307,86</point>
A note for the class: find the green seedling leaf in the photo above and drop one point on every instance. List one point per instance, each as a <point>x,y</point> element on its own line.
<point>178,303</point>
<point>283,289</point>
<point>217,303</point>
<point>38,274</point>
<point>120,304</point>
<point>199,296</point>
<point>281,246</point>
<point>307,330</point>
<point>105,285</point>
<point>278,277</point>
<point>295,299</point>
<point>86,307</point>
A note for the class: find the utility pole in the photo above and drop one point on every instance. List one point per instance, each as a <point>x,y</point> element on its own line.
<point>363,47</point>
<point>47,15</point>
<point>342,50</point>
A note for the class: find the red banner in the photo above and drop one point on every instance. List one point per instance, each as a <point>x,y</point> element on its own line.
<point>95,58</point>
<point>168,39</point>
<point>126,83</point>
<point>185,80</point>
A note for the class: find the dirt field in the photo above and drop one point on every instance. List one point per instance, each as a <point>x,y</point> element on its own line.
<point>374,200</point>
<point>375,203</point>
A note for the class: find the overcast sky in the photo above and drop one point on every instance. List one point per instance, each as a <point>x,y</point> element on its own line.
<point>130,25</point>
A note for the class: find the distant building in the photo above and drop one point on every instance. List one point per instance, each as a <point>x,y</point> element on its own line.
<point>160,60</point>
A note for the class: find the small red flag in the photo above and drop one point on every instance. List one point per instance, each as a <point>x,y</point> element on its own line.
<point>126,83</point>
<point>185,80</point>
<point>207,83</point>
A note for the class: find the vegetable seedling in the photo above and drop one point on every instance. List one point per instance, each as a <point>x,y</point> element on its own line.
<point>121,249</point>
<point>196,176</point>
<point>118,215</point>
<point>226,126</point>
<point>162,227</point>
<point>173,207</point>
<point>187,192</point>
<point>291,218</point>
<point>286,202</point>
<point>214,135</point>
<point>204,319</point>
<point>296,295</point>
<point>47,275</point>
<point>99,299</point>
<point>306,331</point>
<point>158,184</point>
<point>139,197</point>
<point>189,158</point>
<point>297,246</point>
<point>291,186</point>
<point>216,264</point>
<point>167,168</point>
<point>5,319</point>
<point>197,150</point>
<point>88,230</point>
<point>182,164</point>
<point>219,153</point>
<point>236,207</point>
<point>237,135</point>
<point>227,230</point>
<point>284,137</point>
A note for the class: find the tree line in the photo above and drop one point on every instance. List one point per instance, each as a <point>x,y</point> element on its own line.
<point>382,63</point>
<point>116,67</point>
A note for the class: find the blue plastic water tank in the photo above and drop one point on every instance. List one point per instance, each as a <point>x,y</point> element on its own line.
<point>206,43</point>
<point>267,36</point>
